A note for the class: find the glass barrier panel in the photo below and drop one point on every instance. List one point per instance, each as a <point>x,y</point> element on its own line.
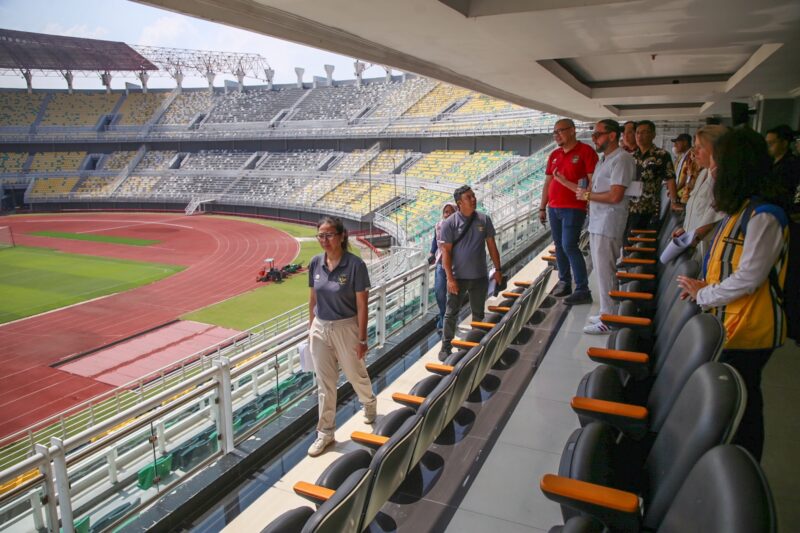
<point>190,437</point>
<point>109,484</point>
<point>25,511</point>
<point>255,395</point>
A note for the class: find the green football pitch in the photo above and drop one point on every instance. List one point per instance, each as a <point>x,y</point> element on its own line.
<point>35,280</point>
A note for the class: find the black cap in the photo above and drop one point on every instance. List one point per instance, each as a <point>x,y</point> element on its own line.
<point>683,137</point>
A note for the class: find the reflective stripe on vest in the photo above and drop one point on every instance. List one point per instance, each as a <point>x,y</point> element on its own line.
<point>754,321</point>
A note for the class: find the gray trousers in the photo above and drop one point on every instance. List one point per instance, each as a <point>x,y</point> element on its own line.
<point>605,253</point>
<point>475,289</point>
<point>333,343</point>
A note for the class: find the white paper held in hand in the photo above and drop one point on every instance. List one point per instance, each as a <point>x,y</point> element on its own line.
<point>306,363</point>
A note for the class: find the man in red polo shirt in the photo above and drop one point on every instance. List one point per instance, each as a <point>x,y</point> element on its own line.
<point>570,162</point>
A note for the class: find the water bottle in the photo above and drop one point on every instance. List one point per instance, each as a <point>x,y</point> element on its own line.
<point>583,183</point>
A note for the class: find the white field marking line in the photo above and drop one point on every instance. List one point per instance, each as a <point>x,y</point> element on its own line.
<point>129,223</point>
<point>85,301</point>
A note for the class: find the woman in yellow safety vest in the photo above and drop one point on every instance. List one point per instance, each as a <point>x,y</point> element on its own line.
<point>745,269</point>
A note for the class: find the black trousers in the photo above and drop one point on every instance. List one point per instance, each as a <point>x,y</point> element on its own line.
<point>750,363</point>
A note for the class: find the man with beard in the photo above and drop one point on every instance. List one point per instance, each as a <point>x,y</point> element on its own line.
<point>608,212</point>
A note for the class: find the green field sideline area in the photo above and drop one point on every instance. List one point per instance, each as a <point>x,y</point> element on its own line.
<point>95,238</point>
<point>256,306</point>
<point>35,280</point>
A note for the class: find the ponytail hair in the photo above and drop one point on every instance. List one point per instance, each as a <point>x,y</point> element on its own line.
<point>337,223</point>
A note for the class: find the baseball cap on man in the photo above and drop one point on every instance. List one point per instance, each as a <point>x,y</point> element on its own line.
<point>683,137</point>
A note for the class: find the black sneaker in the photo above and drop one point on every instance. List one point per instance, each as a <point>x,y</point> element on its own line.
<point>444,354</point>
<point>562,288</point>
<point>579,298</point>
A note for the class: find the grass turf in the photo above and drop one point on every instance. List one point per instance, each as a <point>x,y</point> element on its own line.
<point>35,280</point>
<point>95,238</point>
<point>261,304</point>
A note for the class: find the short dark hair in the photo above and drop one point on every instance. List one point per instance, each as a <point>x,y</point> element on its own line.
<point>783,132</point>
<point>649,123</point>
<point>337,223</point>
<point>630,122</point>
<point>461,190</point>
<point>569,122</point>
<point>743,170</point>
<point>612,126</point>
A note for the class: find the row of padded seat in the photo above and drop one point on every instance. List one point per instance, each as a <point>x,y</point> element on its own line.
<point>78,109</point>
<point>138,108</point>
<point>437,100</point>
<point>12,161</point>
<point>656,425</point>
<point>118,160</point>
<point>56,161</point>
<point>19,108</point>
<point>340,102</point>
<point>350,492</point>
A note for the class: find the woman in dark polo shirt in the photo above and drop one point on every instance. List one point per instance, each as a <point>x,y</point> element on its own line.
<point>337,308</point>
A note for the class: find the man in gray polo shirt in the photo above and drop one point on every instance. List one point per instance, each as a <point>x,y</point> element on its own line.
<point>608,213</point>
<point>464,235</point>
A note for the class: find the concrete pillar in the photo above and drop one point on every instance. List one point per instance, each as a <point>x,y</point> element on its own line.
<point>329,72</point>
<point>210,75</point>
<point>240,78</point>
<point>269,73</point>
<point>69,77</point>
<point>178,79</point>
<point>143,76</point>
<point>299,71</point>
<point>359,72</point>
<point>105,77</point>
<point>388,73</point>
<point>29,80</point>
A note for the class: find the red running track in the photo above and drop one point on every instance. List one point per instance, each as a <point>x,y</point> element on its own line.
<point>221,257</point>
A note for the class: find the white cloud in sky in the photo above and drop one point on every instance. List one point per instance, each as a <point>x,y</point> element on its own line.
<point>78,30</point>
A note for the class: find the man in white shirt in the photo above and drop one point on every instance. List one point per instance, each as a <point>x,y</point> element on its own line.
<point>608,213</point>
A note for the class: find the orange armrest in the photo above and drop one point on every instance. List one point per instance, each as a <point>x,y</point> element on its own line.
<point>408,399</point>
<point>312,492</point>
<point>626,321</point>
<point>549,258</point>
<point>368,439</point>
<point>511,295</point>
<point>522,283</point>
<point>639,249</point>
<point>482,325</point>
<point>552,250</point>
<point>618,355</point>
<point>635,275</point>
<point>634,363</point>
<point>628,295</point>
<point>458,343</point>
<point>438,368</point>
<point>626,410</point>
<point>641,239</point>
<point>643,231</point>
<point>498,309</point>
<point>573,489</point>
<point>635,261</point>
<point>630,419</point>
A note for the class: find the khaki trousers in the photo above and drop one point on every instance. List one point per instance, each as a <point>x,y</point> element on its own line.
<point>605,252</point>
<point>333,344</point>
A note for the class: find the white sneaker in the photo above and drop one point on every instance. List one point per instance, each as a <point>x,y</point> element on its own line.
<point>594,319</point>
<point>319,445</point>
<point>598,328</point>
<point>370,413</point>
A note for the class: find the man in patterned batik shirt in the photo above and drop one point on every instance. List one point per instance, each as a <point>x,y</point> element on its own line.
<point>653,168</point>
